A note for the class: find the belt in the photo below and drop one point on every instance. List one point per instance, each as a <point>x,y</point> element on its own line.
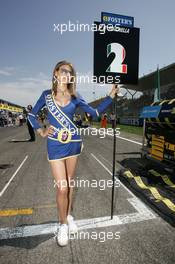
<point>63,135</point>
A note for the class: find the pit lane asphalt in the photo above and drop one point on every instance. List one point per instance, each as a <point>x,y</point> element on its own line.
<point>147,241</point>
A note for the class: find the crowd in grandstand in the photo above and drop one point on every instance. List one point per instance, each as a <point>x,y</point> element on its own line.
<point>9,119</point>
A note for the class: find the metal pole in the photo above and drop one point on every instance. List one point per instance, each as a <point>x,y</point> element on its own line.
<point>143,138</point>
<point>114,154</point>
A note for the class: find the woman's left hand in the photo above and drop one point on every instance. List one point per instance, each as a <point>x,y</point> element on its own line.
<point>115,90</point>
<point>50,131</point>
<point>47,132</point>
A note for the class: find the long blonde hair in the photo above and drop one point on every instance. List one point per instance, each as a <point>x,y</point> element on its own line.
<point>72,85</point>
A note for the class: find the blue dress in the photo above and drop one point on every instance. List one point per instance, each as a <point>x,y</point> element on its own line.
<point>65,141</point>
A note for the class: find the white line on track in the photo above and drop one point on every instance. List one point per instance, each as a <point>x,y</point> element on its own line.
<point>136,200</point>
<point>13,176</point>
<point>111,174</point>
<point>132,141</point>
<point>143,214</point>
<point>126,139</point>
<point>83,224</point>
<point>107,161</point>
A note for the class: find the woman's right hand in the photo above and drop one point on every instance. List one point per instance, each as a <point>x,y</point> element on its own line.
<point>114,91</point>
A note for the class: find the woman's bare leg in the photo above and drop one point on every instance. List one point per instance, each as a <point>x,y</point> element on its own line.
<point>71,164</point>
<point>59,173</point>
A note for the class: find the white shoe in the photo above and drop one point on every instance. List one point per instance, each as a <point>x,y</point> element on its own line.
<point>62,236</point>
<point>72,225</point>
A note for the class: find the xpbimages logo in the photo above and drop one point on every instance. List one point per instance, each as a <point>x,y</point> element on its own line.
<point>101,236</point>
<point>80,27</point>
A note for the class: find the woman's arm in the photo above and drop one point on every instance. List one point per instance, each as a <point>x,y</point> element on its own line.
<point>101,107</point>
<point>32,116</point>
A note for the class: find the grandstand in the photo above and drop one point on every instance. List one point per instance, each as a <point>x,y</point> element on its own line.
<point>131,108</point>
<point>6,106</point>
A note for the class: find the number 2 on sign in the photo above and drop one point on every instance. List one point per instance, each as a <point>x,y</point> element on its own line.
<point>120,54</point>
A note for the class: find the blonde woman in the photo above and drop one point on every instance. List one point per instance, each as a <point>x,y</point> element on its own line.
<point>64,143</point>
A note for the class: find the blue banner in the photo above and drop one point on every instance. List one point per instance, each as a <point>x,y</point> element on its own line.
<point>150,111</point>
<point>115,19</point>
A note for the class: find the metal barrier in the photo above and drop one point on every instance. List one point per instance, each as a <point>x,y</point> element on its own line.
<point>159,134</point>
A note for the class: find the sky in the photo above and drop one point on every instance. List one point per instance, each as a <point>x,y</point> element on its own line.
<point>30,48</point>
